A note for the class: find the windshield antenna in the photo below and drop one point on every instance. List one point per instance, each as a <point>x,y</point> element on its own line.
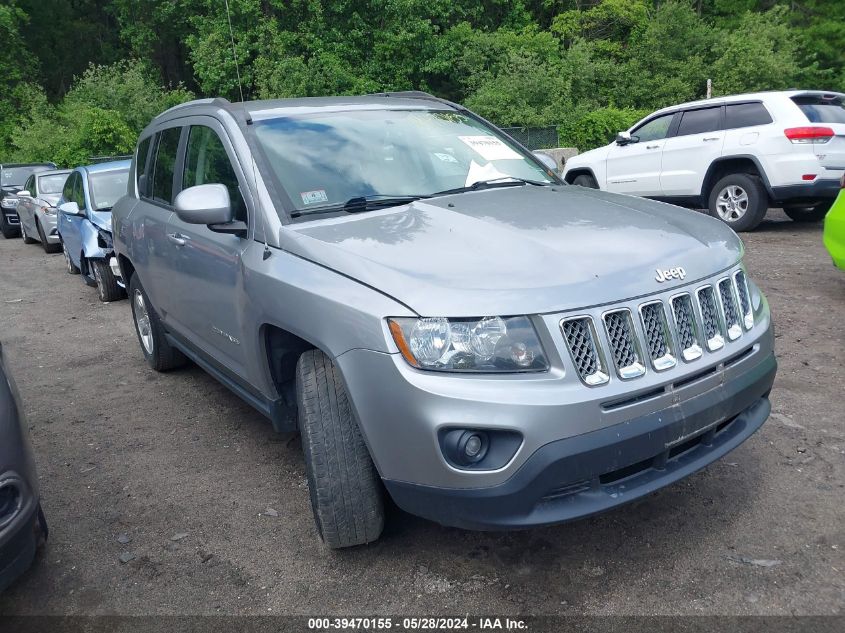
<point>267,252</point>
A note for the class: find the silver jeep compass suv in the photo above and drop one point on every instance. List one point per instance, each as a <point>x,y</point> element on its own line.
<point>441,318</point>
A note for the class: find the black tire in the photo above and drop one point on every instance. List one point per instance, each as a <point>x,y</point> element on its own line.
<point>7,229</point>
<point>747,214</point>
<point>48,248</point>
<point>107,288</point>
<point>814,213</point>
<point>26,238</point>
<point>345,489</point>
<point>160,355</point>
<point>70,267</point>
<point>585,180</point>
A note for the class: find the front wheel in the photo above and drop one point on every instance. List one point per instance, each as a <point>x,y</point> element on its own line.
<point>585,180</point>
<point>345,489</point>
<point>107,287</point>
<point>739,200</point>
<point>158,352</point>
<point>813,213</point>
<point>72,269</point>
<point>26,238</point>
<point>48,248</point>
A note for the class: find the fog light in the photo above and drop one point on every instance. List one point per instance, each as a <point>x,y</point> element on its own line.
<point>473,446</point>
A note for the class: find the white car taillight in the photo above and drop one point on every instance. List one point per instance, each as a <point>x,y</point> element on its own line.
<point>809,134</point>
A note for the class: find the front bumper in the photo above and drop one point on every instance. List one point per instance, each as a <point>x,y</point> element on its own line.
<point>583,475</point>
<point>10,214</point>
<point>834,232</point>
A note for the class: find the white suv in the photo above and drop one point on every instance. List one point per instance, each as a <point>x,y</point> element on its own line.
<point>735,155</point>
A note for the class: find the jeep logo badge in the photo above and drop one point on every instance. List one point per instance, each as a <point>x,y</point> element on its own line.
<point>672,273</point>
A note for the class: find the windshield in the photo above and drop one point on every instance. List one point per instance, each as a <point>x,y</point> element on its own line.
<point>16,176</point>
<point>329,158</point>
<point>107,187</point>
<point>51,184</point>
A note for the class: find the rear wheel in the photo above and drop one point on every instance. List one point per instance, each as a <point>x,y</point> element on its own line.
<point>585,180</point>
<point>158,352</point>
<point>72,269</point>
<point>813,213</point>
<point>739,200</point>
<point>107,288</point>
<point>345,489</point>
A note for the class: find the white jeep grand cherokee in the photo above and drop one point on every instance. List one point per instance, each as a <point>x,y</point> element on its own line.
<point>736,156</point>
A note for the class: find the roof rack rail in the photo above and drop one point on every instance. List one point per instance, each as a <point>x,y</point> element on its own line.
<point>95,160</point>
<point>221,101</point>
<point>416,94</point>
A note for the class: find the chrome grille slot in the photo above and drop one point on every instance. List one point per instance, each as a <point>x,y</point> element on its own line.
<point>581,340</point>
<point>710,319</point>
<point>657,335</point>
<point>623,345</point>
<point>729,310</point>
<point>686,327</point>
<point>741,286</point>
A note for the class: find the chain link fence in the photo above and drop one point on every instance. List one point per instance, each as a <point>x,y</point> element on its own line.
<point>535,137</point>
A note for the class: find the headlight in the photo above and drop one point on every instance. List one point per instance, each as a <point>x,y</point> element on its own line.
<point>9,202</point>
<point>489,344</point>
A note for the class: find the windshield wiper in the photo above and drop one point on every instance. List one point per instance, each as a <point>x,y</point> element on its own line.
<point>502,181</point>
<point>361,203</point>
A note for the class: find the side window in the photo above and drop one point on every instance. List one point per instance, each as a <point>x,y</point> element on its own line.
<point>165,161</point>
<point>78,195</point>
<point>745,115</point>
<point>141,166</point>
<point>206,162</point>
<point>700,121</point>
<point>655,129</point>
<point>29,186</point>
<point>67,190</point>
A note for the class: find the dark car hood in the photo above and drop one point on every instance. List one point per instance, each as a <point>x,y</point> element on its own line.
<point>518,250</point>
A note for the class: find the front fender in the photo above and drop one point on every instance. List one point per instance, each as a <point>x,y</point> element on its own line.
<point>91,248</point>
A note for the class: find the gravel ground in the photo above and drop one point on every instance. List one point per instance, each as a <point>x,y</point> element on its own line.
<point>177,474</point>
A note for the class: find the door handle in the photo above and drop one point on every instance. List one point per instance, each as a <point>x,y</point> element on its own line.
<point>655,146</point>
<point>711,138</point>
<point>176,239</point>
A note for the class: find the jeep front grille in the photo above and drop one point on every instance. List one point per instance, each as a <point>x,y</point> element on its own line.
<point>710,318</point>
<point>726,297</point>
<point>657,335</point>
<point>685,326</point>
<point>581,338</point>
<point>741,284</point>
<point>623,344</point>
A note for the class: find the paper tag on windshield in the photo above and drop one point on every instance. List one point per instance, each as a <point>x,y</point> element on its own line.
<point>313,197</point>
<point>489,147</point>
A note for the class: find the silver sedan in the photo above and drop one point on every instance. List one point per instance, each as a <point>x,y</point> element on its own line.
<point>37,208</point>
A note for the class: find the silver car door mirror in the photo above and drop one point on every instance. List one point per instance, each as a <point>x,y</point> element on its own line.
<point>71,208</point>
<point>548,161</point>
<point>204,204</point>
<point>24,193</point>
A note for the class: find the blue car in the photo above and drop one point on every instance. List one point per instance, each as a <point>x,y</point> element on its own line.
<point>84,224</point>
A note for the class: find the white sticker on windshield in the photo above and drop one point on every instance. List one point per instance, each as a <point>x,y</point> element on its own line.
<point>489,147</point>
<point>312,197</point>
<point>446,158</point>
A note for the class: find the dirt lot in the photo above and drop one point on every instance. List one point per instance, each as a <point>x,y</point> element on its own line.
<point>187,472</point>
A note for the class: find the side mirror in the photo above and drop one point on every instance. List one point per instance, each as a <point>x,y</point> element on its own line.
<point>204,204</point>
<point>71,208</point>
<point>548,161</point>
<point>623,138</point>
<point>24,193</point>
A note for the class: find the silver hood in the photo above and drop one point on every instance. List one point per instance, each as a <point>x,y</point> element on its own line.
<point>517,250</point>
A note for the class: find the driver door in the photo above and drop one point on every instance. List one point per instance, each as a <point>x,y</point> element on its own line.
<point>634,168</point>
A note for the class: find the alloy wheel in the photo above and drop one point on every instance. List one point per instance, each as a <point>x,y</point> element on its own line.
<point>142,321</point>
<point>68,263</point>
<point>732,203</point>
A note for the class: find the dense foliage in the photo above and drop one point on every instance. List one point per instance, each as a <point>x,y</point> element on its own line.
<point>82,77</point>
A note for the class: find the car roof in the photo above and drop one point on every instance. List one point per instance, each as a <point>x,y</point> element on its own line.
<point>53,172</point>
<point>409,100</point>
<point>109,166</point>
<point>750,96</point>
